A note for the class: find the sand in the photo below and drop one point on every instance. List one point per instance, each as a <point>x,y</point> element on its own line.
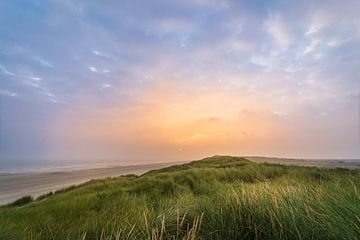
<point>16,185</point>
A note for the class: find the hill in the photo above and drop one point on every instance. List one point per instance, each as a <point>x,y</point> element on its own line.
<point>220,197</point>
<point>328,163</point>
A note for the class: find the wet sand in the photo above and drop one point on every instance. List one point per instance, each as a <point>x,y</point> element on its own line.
<point>16,185</point>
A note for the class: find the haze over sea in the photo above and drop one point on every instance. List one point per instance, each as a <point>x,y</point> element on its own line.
<point>46,166</point>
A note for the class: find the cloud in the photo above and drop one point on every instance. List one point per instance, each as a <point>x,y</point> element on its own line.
<point>44,62</point>
<point>35,78</point>
<point>186,70</point>
<point>92,69</point>
<point>311,47</point>
<point>106,85</point>
<point>5,71</point>
<point>279,30</point>
<point>100,54</point>
<point>7,93</point>
<point>313,29</point>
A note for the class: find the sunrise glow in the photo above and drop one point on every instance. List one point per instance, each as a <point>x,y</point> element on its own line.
<point>128,80</point>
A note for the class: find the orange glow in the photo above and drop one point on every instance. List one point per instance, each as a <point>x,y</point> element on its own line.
<point>171,122</point>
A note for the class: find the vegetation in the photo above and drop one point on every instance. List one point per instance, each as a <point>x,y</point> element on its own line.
<point>22,201</point>
<point>215,198</point>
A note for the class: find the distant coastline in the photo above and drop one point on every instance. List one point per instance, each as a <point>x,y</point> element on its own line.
<point>328,163</point>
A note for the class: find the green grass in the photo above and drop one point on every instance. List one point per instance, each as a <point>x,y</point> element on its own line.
<point>215,198</point>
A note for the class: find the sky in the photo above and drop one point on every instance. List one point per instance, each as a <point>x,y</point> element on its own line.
<point>181,79</point>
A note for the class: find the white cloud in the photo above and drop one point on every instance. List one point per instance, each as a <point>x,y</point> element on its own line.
<point>279,30</point>
<point>310,48</point>
<point>92,69</point>
<point>314,28</point>
<point>4,70</point>
<point>8,93</point>
<point>261,61</point>
<point>43,62</point>
<point>35,78</point>
<point>335,42</point>
<point>100,54</point>
<point>49,94</point>
<point>106,85</point>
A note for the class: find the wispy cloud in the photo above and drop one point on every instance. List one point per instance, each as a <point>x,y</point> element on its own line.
<point>7,93</point>
<point>93,69</point>
<point>35,78</point>
<point>44,62</point>
<point>158,70</point>
<point>5,71</point>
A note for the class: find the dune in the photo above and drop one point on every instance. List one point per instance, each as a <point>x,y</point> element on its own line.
<point>16,185</point>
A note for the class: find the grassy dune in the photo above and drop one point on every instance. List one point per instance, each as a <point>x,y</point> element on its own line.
<point>214,198</point>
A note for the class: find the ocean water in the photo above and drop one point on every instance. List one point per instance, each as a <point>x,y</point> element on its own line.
<point>51,167</point>
<point>38,166</point>
<point>38,169</point>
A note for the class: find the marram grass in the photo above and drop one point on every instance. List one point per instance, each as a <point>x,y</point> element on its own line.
<point>215,198</point>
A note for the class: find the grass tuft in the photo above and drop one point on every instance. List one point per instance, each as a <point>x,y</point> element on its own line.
<point>22,201</point>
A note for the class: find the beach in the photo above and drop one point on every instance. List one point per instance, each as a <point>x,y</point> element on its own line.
<point>16,185</point>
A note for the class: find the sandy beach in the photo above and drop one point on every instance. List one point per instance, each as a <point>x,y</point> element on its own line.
<point>16,185</point>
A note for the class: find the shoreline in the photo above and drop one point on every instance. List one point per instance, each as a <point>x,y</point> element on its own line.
<point>17,185</point>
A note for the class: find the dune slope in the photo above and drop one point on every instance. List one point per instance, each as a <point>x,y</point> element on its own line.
<point>221,197</point>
